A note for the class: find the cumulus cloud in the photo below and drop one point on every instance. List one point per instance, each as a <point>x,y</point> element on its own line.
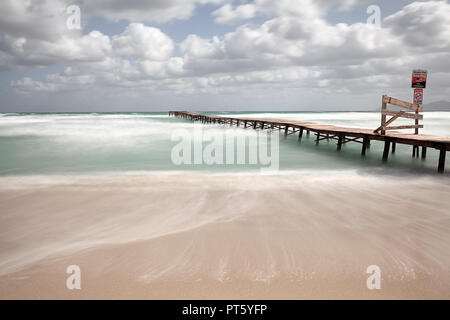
<point>41,20</point>
<point>301,9</point>
<point>149,11</point>
<point>422,25</point>
<point>22,51</point>
<point>294,48</point>
<point>144,42</point>
<point>35,33</point>
<point>228,14</point>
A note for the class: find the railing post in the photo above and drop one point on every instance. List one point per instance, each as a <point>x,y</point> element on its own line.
<point>383,115</point>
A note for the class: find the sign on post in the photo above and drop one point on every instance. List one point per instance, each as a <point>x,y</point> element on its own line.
<point>418,96</point>
<point>419,79</point>
<point>419,82</point>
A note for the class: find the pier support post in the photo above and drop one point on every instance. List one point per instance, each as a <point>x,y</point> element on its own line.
<point>442,155</point>
<point>307,133</point>
<point>318,138</point>
<point>286,129</point>
<point>245,124</point>
<point>300,134</point>
<point>394,145</point>
<point>424,153</point>
<point>364,146</point>
<point>387,145</point>
<point>340,140</point>
<point>254,125</point>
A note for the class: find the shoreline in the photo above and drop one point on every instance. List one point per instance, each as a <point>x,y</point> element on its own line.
<point>225,236</point>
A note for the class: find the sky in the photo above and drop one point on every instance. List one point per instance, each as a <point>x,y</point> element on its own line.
<point>219,55</point>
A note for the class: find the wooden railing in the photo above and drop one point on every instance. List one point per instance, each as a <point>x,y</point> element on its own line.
<point>399,114</point>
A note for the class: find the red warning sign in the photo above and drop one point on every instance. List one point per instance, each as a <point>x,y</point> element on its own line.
<point>418,96</point>
<point>419,79</point>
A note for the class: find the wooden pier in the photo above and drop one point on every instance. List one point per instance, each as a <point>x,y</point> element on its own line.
<point>340,134</point>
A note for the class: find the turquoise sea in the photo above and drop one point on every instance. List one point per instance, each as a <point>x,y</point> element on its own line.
<point>73,143</point>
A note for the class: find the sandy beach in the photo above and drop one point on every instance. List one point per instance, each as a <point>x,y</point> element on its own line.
<point>213,236</point>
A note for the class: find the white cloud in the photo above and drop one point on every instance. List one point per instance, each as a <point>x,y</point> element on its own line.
<point>158,11</point>
<point>301,9</point>
<point>144,42</point>
<point>67,48</point>
<point>284,52</point>
<point>228,14</point>
<point>34,33</point>
<point>41,20</point>
<point>422,25</point>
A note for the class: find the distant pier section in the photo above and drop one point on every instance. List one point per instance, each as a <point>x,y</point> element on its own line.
<point>344,135</point>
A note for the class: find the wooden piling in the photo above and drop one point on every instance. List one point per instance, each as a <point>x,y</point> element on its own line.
<point>339,145</point>
<point>387,145</point>
<point>393,147</point>
<point>442,154</point>
<point>300,134</point>
<point>424,153</point>
<point>415,151</point>
<point>364,146</point>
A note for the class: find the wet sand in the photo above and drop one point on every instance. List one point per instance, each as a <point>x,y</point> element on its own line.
<point>200,236</point>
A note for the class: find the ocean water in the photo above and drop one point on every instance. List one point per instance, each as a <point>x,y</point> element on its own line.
<point>70,182</point>
<point>74,143</point>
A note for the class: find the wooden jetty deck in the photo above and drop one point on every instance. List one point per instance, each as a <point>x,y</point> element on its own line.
<point>341,134</point>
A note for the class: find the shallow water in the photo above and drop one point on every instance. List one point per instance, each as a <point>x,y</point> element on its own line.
<point>91,142</point>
